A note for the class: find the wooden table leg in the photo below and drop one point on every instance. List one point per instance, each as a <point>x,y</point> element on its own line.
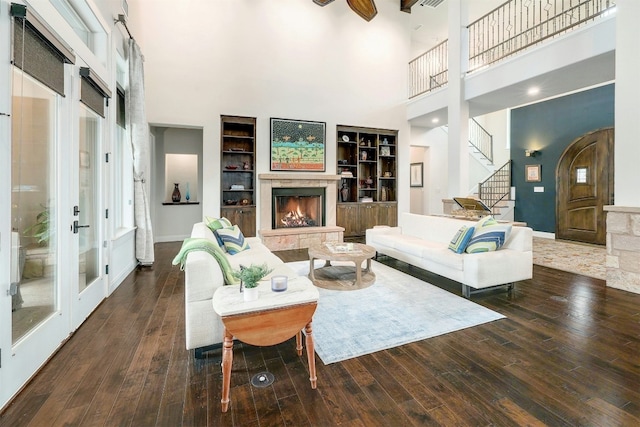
<point>227,360</point>
<point>358,281</point>
<point>311,357</point>
<point>299,343</point>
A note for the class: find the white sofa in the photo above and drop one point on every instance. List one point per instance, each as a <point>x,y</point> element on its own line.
<point>203,275</point>
<point>423,241</point>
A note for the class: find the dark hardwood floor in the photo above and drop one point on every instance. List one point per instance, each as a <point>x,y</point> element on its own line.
<point>568,354</point>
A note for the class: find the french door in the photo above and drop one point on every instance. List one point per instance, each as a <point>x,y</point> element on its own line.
<point>56,259</point>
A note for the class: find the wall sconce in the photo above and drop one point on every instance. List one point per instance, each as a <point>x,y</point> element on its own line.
<point>530,153</point>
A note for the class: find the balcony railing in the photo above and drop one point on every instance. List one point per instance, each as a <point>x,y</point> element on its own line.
<point>429,71</point>
<point>519,24</point>
<point>505,31</point>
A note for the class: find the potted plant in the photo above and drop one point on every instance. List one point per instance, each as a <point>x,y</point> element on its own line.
<point>41,229</point>
<point>249,278</point>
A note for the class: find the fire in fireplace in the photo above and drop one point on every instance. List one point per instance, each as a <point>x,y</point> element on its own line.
<point>298,207</point>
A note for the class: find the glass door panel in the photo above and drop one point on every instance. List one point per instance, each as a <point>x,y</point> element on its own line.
<point>34,286</point>
<point>88,208</point>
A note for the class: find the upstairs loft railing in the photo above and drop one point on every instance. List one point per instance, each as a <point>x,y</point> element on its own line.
<point>480,139</point>
<point>505,31</point>
<point>497,187</point>
<point>519,24</point>
<point>430,70</point>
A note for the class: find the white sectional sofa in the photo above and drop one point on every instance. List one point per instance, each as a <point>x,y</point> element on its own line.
<point>423,241</point>
<point>203,275</point>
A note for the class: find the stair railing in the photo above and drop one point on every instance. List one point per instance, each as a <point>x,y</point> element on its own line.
<point>497,187</point>
<point>480,139</point>
<point>430,70</point>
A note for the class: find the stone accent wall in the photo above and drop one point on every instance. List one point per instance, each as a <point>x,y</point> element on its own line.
<point>300,238</point>
<point>623,248</point>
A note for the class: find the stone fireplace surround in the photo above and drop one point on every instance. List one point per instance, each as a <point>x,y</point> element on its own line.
<point>299,237</point>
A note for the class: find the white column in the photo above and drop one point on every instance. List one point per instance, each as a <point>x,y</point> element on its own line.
<point>627,94</point>
<point>458,120</point>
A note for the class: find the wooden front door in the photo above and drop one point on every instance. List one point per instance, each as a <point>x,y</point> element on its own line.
<point>584,186</point>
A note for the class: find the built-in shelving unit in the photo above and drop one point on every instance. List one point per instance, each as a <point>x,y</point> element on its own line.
<point>366,162</point>
<point>238,172</point>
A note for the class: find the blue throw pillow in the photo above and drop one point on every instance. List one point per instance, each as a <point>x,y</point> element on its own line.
<point>459,242</point>
<point>233,239</point>
<point>488,236</point>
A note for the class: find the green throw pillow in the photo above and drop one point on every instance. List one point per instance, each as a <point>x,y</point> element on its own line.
<point>216,224</point>
<point>459,242</point>
<point>233,239</point>
<point>488,236</point>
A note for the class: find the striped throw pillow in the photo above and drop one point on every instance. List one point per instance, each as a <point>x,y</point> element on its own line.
<point>488,236</point>
<point>460,241</point>
<point>216,224</point>
<point>233,239</point>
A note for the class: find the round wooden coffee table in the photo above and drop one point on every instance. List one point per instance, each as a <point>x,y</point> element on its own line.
<point>342,277</point>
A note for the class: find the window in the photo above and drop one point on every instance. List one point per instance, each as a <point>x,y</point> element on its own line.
<point>85,24</point>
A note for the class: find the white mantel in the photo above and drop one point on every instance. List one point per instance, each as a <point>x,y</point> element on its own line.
<point>296,238</point>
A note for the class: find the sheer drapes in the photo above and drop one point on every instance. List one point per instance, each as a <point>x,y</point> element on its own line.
<point>139,132</point>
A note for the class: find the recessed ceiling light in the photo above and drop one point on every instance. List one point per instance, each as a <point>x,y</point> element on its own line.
<point>435,120</point>
<point>533,91</point>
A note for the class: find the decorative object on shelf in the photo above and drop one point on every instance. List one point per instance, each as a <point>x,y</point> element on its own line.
<point>279,283</point>
<point>385,141</point>
<point>232,167</point>
<point>387,174</point>
<point>369,182</point>
<point>385,151</point>
<point>245,202</point>
<point>237,187</point>
<point>344,192</point>
<point>297,145</point>
<point>187,196</point>
<point>362,143</point>
<point>363,155</point>
<point>176,196</point>
<point>345,138</point>
<point>246,166</point>
<point>342,162</point>
<point>249,278</point>
<point>230,202</point>
<point>383,194</point>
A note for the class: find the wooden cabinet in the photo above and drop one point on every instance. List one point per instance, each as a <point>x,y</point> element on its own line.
<point>238,171</point>
<point>357,217</point>
<point>244,216</point>
<point>366,162</point>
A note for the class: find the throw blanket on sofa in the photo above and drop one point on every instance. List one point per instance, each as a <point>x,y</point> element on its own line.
<point>201,244</point>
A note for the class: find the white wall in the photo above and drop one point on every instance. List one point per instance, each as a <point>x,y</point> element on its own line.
<point>435,167</point>
<point>263,58</point>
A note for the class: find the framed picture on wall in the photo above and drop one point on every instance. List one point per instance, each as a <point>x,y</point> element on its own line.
<point>532,173</point>
<point>416,172</point>
<point>297,145</point>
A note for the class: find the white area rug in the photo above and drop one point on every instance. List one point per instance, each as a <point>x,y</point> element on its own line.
<point>397,309</point>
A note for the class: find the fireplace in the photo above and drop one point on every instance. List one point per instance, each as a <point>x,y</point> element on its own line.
<point>298,207</point>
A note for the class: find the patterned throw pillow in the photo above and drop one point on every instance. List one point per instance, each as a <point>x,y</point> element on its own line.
<point>233,239</point>
<point>459,242</point>
<point>216,224</point>
<point>488,236</point>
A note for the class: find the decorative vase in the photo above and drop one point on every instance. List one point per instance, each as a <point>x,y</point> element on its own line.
<point>176,196</point>
<point>363,155</point>
<point>344,192</point>
<point>250,294</point>
<point>369,181</point>
<point>187,196</point>
<point>383,195</point>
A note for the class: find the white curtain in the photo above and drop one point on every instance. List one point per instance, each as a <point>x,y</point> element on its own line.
<point>139,131</point>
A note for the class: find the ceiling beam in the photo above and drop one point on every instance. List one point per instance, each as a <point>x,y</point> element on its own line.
<point>405,5</point>
<point>366,9</point>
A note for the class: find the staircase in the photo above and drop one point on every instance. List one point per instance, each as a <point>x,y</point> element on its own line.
<point>495,191</point>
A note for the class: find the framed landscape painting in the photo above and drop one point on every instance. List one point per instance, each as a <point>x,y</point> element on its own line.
<point>297,145</point>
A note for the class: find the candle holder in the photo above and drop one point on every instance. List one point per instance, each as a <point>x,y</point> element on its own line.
<point>279,283</point>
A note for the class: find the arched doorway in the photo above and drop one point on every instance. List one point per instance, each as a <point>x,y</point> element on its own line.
<point>584,180</point>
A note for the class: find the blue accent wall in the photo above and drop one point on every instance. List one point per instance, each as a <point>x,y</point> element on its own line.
<point>550,127</point>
